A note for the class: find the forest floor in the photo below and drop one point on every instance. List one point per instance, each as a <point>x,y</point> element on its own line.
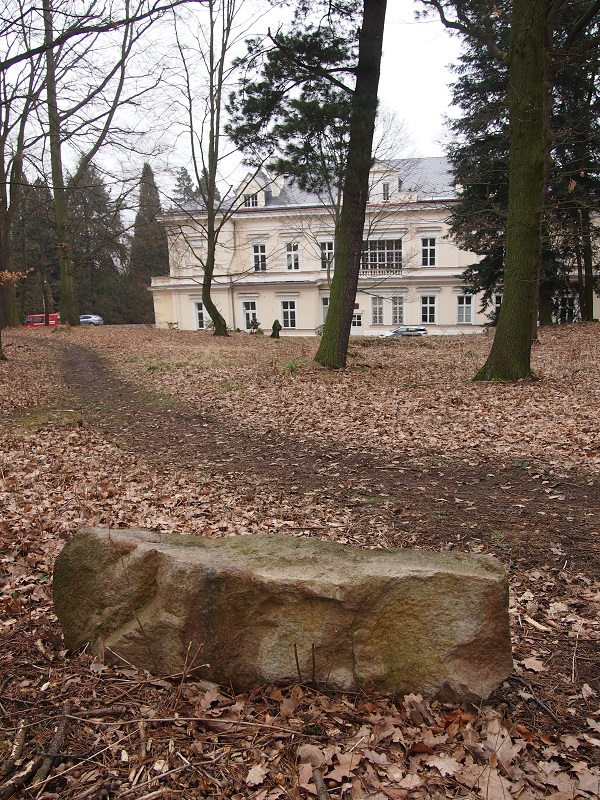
<point>182,432</point>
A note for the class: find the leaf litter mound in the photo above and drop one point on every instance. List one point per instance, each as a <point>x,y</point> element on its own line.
<point>181,432</point>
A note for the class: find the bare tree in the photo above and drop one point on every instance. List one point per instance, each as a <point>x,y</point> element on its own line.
<point>86,120</point>
<point>20,89</point>
<point>209,52</point>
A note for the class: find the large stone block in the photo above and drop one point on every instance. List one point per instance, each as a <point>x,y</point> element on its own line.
<point>248,606</point>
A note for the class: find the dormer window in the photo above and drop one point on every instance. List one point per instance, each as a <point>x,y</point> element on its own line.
<point>385,192</point>
<point>250,200</point>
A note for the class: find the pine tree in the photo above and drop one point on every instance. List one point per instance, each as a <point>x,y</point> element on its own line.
<point>149,253</point>
<point>185,192</point>
<point>34,247</point>
<point>98,238</point>
<point>480,159</point>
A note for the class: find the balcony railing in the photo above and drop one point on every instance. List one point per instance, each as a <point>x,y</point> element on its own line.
<point>381,271</point>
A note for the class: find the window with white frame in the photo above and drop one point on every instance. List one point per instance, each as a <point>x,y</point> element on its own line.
<point>428,308</point>
<point>292,255</point>
<point>250,200</point>
<point>249,308</point>
<point>327,251</point>
<point>497,302</point>
<point>288,313</point>
<point>377,311</point>
<point>200,316</point>
<point>357,320</point>
<point>382,255</point>
<point>397,310</point>
<point>385,192</point>
<point>259,257</point>
<point>428,251</point>
<point>464,311</point>
<point>324,307</point>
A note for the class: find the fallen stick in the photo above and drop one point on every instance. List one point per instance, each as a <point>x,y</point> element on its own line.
<point>55,745</point>
<point>322,793</point>
<point>20,779</point>
<point>17,749</point>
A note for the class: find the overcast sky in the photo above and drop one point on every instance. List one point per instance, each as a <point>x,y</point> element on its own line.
<point>415,76</point>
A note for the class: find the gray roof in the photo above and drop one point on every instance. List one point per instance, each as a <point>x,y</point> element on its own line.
<point>428,178</point>
<point>424,178</point>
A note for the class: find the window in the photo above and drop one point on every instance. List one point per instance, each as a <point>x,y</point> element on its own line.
<point>325,307</point>
<point>259,255</point>
<point>288,313</point>
<point>400,183</point>
<point>566,310</point>
<point>292,255</point>
<point>377,311</point>
<point>385,192</point>
<point>199,316</point>
<point>428,309</point>
<point>397,310</point>
<point>249,307</point>
<point>357,320</point>
<point>382,255</point>
<point>326,255</point>
<point>428,252</point>
<point>497,302</point>
<point>250,200</point>
<point>465,309</point>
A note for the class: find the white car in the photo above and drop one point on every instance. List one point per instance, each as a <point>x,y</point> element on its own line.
<point>90,319</point>
<point>404,330</point>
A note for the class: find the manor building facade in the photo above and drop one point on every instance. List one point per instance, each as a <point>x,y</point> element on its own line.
<point>275,258</point>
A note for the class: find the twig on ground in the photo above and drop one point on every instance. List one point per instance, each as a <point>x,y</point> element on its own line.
<point>156,778</point>
<point>142,745</point>
<point>152,795</point>
<point>55,745</point>
<point>322,793</point>
<point>17,749</point>
<point>574,661</point>
<point>20,779</point>
<point>109,711</point>
<point>89,791</point>
<point>537,700</point>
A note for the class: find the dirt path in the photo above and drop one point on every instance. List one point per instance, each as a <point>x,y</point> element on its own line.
<point>520,513</point>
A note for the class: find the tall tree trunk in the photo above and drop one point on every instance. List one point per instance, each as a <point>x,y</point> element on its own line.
<point>587,309</point>
<point>510,356</point>
<point>218,321</point>
<point>8,305</point>
<point>333,349</point>
<point>69,309</point>
<point>545,294</point>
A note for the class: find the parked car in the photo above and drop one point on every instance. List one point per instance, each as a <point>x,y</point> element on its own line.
<point>90,319</point>
<point>405,330</point>
<point>38,320</point>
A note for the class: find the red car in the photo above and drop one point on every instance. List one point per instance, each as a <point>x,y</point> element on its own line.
<point>37,320</point>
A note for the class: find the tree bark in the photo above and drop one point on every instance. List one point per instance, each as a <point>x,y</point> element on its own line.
<point>69,309</point>
<point>510,356</point>
<point>333,349</point>
<point>587,309</point>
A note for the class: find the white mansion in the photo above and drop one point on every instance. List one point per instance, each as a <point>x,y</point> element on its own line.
<point>276,255</point>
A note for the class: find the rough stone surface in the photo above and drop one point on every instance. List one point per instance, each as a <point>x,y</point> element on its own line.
<point>402,620</point>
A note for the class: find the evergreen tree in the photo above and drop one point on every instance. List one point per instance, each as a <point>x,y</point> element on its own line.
<point>296,107</point>
<point>98,238</point>
<point>185,192</point>
<point>149,253</point>
<point>480,160</point>
<point>34,247</point>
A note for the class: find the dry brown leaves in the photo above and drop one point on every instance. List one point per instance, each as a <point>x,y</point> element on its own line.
<point>131,735</point>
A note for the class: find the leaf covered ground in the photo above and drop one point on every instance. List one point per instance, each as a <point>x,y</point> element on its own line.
<point>181,432</point>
